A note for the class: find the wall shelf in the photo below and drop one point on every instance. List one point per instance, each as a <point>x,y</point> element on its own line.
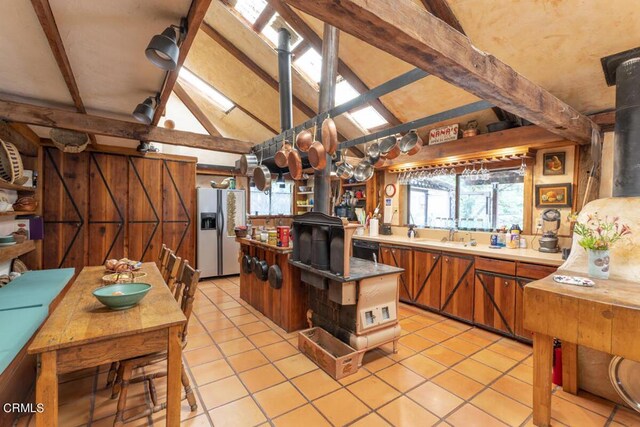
<point>16,213</point>
<point>355,184</point>
<point>14,187</point>
<point>8,253</point>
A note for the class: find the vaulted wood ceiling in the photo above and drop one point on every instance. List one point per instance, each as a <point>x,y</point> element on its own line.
<point>555,44</point>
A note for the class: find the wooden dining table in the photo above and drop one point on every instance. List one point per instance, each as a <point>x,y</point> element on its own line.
<point>83,333</point>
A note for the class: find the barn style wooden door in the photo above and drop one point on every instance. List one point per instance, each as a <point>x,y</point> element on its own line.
<point>102,205</point>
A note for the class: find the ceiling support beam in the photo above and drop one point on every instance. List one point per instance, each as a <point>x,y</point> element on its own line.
<point>302,28</point>
<point>48,24</point>
<point>57,118</point>
<point>195,17</point>
<point>606,120</point>
<point>264,18</point>
<point>412,34</point>
<point>193,107</point>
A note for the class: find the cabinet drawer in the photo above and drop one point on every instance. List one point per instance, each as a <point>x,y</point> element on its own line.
<point>534,271</point>
<point>496,266</point>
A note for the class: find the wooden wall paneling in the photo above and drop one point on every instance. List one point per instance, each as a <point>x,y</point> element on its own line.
<point>427,274</point>
<point>178,207</point>
<point>144,211</point>
<point>65,209</point>
<point>108,188</point>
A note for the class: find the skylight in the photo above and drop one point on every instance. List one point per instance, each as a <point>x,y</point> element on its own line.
<point>310,64</point>
<point>270,31</point>
<point>345,92</point>
<point>368,118</point>
<point>207,90</point>
<point>250,9</point>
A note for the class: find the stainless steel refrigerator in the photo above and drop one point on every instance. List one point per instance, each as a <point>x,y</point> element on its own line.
<point>219,212</point>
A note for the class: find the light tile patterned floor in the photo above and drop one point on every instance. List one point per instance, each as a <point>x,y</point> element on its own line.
<point>248,372</point>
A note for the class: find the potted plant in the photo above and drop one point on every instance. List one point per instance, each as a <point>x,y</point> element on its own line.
<point>597,236</point>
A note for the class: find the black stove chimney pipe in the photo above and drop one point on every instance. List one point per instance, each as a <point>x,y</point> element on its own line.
<point>284,78</point>
<point>626,160</point>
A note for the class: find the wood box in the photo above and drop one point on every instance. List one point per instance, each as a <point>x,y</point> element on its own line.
<point>328,352</point>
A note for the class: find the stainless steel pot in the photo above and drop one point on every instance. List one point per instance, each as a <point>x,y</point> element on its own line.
<point>363,171</point>
<point>344,170</point>
<point>411,143</point>
<point>389,148</point>
<point>248,162</point>
<point>262,178</point>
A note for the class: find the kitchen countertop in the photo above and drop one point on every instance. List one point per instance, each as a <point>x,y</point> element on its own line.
<point>524,255</point>
<point>359,269</point>
<point>279,249</point>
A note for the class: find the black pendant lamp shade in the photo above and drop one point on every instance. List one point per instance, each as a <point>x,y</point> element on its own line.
<point>163,50</point>
<point>144,111</point>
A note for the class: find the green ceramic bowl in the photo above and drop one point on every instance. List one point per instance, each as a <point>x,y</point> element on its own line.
<point>7,239</point>
<point>121,296</point>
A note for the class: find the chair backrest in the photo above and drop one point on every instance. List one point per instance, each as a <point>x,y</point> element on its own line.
<point>188,282</point>
<point>173,271</point>
<point>163,258</point>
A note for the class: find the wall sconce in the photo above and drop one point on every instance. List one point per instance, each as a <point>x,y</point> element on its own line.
<point>145,110</point>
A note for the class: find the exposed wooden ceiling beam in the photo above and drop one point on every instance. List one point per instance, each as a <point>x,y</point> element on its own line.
<point>264,18</point>
<point>251,65</point>
<point>195,17</point>
<point>407,31</point>
<point>53,117</point>
<point>302,28</point>
<point>11,134</point>
<point>300,49</point>
<point>48,24</point>
<point>606,120</point>
<point>197,112</point>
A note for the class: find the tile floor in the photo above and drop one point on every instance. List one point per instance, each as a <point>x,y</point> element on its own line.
<point>248,372</point>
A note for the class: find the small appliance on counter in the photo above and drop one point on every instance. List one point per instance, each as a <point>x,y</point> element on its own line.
<point>550,227</point>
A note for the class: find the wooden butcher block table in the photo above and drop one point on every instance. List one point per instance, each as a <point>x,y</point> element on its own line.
<point>82,333</point>
<point>605,317</point>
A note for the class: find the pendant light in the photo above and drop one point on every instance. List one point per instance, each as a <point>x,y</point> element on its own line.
<point>145,110</point>
<point>163,50</point>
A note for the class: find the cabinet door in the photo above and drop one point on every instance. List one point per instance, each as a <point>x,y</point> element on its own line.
<point>178,206</point>
<point>399,257</point>
<point>494,301</point>
<point>145,208</point>
<point>457,286</point>
<point>519,310</point>
<point>427,272</point>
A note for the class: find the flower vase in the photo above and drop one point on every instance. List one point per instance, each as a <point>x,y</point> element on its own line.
<point>599,263</point>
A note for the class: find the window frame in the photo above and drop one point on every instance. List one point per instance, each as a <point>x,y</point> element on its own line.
<point>252,189</point>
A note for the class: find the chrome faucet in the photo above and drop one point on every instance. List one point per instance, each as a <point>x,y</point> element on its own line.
<point>375,259</point>
<point>452,234</point>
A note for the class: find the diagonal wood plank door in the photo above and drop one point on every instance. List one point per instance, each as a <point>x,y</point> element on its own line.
<point>145,208</point>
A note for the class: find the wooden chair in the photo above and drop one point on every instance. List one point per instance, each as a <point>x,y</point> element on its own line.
<point>163,257</point>
<point>186,285</point>
<point>173,266</point>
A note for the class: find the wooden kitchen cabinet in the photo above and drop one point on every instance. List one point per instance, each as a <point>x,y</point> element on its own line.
<point>457,286</point>
<point>403,258</point>
<point>495,301</point>
<point>527,273</point>
<point>427,274</point>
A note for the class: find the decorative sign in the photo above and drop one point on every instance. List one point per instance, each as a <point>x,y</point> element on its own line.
<point>443,134</point>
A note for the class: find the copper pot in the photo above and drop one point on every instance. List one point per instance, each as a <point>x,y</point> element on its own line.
<point>411,143</point>
<point>282,155</point>
<point>304,141</point>
<point>389,148</point>
<point>295,164</point>
<point>329,136</point>
<point>262,178</point>
<point>317,155</point>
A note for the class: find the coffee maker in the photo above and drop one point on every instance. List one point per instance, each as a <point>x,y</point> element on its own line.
<point>550,227</point>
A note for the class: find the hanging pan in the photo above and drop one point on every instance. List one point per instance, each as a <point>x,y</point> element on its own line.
<point>317,154</point>
<point>304,140</point>
<point>329,136</point>
<point>411,143</point>
<point>282,155</point>
<point>344,170</point>
<point>389,148</point>
<point>262,177</point>
<point>373,153</point>
<point>363,171</point>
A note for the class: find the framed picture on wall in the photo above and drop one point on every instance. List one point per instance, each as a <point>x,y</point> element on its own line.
<point>554,163</point>
<point>553,195</point>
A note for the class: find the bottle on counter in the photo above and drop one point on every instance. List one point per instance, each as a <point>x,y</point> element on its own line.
<point>514,237</point>
<point>502,237</point>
